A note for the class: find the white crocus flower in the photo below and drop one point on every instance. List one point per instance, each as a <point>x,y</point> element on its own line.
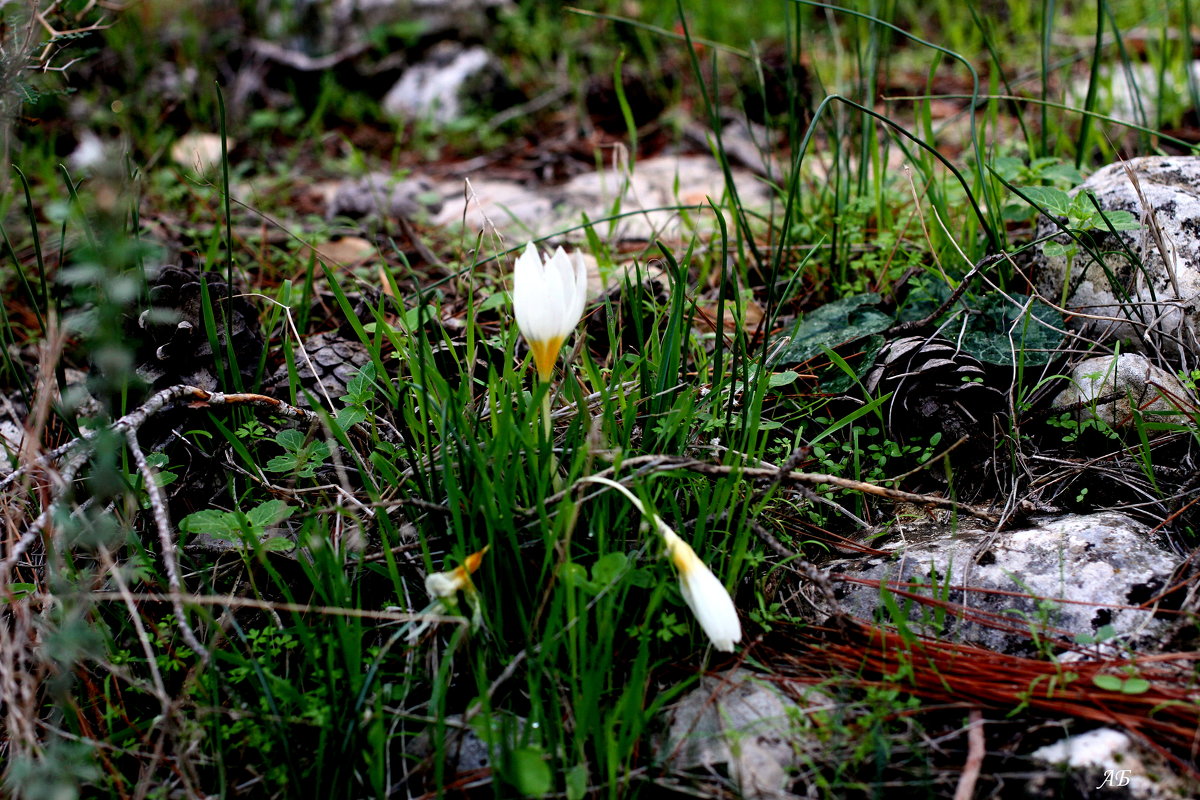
<point>704,593</point>
<point>702,590</point>
<point>548,299</point>
<point>447,584</point>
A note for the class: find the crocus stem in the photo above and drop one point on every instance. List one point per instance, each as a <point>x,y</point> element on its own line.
<point>547,426</point>
<point>548,429</point>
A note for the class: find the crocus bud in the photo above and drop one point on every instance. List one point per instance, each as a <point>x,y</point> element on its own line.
<point>548,299</point>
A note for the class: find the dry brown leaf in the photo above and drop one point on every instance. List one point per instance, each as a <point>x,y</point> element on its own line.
<point>752,316</point>
<point>346,251</point>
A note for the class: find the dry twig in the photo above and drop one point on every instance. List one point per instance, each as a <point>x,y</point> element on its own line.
<point>80,450</point>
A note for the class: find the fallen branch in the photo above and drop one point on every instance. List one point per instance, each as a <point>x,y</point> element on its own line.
<point>78,451</point>
<point>657,463</point>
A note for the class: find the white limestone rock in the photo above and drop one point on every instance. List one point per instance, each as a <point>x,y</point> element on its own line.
<point>1132,92</point>
<point>1164,297</point>
<point>1063,576</point>
<point>1109,762</point>
<point>1141,385</point>
<point>745,724</point>
<point>445,85</point>
<point>644,202</point>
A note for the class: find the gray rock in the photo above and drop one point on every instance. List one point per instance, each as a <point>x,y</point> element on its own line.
<point>463,747</point>
<point>445,85</point>
<point>1063,577</point>
<point>1156,392</point>
<point>382,194</point>
<point>739,722</point>
<point>1163,297</point>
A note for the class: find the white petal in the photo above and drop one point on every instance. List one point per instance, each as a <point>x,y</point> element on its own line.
<point>444,584</point>
<point>559,266</point>
<point>527,289</point>
<point>579,288</point>
<point>712,605</point>
<point>704,594</point>
<point>554,288</point>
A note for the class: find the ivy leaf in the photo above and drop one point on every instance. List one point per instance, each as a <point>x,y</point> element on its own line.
<point>834,324</point>
<point>1033,332</point>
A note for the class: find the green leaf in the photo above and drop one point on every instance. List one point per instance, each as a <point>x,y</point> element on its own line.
<point>269,513</point>
<point>1136,686</point>
<point>361,387</point>
<point>278,544</point>
<point>1054,201</point>
<point>350,416</point>
<point>303,459</point>
<point>1054,249</point>
<point>608,568</point>
<point>236,526</point>
<point>1113,683</point>
<point>290,439</point>
<point>841,377</point>
<point>493,300</point>
<point>573,574</point>
<point>165,477</point>
<point>833,324</point>
<point>1119,220</point>
<point>1008,167</point>
<point>19,590</point>
<point>283,463</point>
<point>641,578</point>
<point>530,772</point>
<point>577,779</point>
<point>787,378</point>
<point>987,337</point>
<point>1060,171</point>
<point>211,521</point>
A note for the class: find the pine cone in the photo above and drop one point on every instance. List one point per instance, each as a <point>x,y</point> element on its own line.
<point>935,387</point>
<point>335,360</point>
<point>176,347</point>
